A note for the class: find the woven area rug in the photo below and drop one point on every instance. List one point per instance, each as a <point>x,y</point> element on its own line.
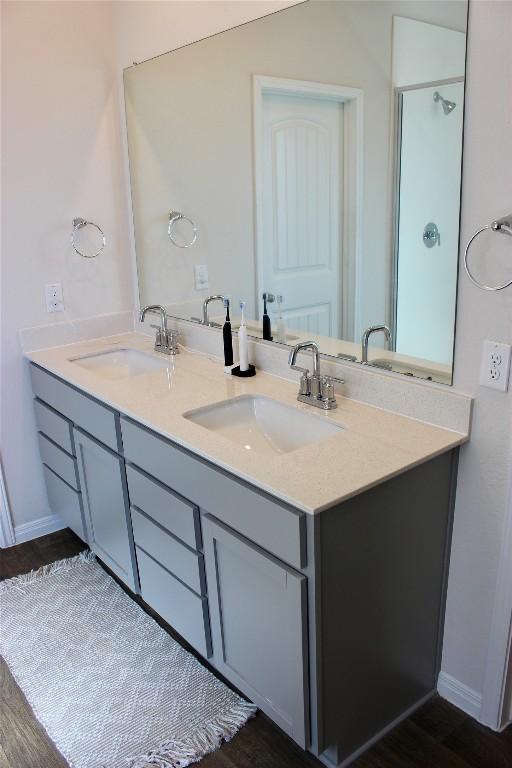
<point>108,684</point>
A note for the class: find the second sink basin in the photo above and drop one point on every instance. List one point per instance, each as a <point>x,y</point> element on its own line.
<point>121,363</point>
<point>263,425</point>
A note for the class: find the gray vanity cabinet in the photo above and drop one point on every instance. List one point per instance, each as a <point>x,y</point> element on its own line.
<point>258,619</point>
<point>330,623</point>
<point>105,500</point>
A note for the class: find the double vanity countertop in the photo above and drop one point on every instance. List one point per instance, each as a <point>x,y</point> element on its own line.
<point>374,445</point>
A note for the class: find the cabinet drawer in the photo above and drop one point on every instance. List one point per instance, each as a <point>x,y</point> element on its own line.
<point>175,514</point>
<point>186,565</point>
<point>65,502</point>
<point>61,462</point>
<point>277,528</point>
<point>175,603</point>
<point>98,420</point>
<point>54,426</point>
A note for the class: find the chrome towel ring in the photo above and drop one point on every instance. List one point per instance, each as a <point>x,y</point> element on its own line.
<point>78,224</point>
<point>174,217</point>
<point>504,226</point>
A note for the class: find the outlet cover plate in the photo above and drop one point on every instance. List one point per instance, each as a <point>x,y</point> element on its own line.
<point>201,280</point>
<point>495,369</point>
<point>54,298</point>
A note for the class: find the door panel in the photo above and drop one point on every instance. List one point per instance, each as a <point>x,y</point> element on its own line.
<point>105,499</point>
<point>313,319</point>
<point>302,202</point>
<point>258,615</point>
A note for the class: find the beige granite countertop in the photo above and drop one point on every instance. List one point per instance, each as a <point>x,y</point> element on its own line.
<point>374,446</point>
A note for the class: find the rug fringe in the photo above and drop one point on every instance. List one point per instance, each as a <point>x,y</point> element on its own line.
<point>179,754</point>
<point>84,558</point>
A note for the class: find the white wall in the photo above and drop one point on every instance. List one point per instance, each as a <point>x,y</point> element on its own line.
<point>147,28</point>
<point>61,158</point>
<point>413,43</point>
<point>485,463</point>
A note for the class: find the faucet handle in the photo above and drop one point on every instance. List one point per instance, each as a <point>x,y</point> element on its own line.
<point>172,341</point>
<point>158,338</point>
<point>327,389</point>
<point>331,379</point>
<point>166,341</point>
<point>305,381</point>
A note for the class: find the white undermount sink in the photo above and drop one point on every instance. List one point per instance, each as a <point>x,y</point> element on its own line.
<point>121,363</point>
<point>264,425</point>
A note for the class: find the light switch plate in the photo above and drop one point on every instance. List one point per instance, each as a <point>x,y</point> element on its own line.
<point>201,277</point>
<point>54,299</point>
<point>495,369</point>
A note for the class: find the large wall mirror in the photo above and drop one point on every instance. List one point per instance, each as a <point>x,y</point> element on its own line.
<point>312,156</point>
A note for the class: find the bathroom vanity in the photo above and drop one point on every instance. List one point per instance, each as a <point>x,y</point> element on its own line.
<point>313,578</point>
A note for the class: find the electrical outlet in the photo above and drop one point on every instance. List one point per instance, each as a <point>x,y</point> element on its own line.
<point>201,277</point>
<point>495,365</point>
<point>54,300</point>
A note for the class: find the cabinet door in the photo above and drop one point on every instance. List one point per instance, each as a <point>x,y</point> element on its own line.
<point>105,499</point>
<point>65,502</point>
<point>258,615</point>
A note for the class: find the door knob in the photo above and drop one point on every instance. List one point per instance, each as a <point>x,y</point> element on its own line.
<point>431,235</point>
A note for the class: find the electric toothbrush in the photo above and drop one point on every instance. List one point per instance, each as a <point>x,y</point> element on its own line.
<point>242,342</point>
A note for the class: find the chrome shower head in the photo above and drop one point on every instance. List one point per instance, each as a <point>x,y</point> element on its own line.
<point>448,106</point>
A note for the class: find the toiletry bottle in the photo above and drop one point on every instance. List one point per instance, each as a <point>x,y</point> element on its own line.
<point>242,342</point>
<point>267,327</point>
<point>281,325</point>
<point>228,340</point>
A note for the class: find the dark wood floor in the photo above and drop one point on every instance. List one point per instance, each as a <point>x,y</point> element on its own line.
<point>436,736</point>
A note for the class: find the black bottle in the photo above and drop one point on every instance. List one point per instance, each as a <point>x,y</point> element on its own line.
<point>267,327</point>
<point>227,338</point>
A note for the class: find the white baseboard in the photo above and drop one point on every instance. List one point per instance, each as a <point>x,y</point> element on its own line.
<point>37,528</point>
<point>460,695</point>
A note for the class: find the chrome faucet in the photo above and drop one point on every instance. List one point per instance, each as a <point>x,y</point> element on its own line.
<point>206,303</point>
<point>315,390</point>
<point>366,338</point>
<point>166,341</point>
